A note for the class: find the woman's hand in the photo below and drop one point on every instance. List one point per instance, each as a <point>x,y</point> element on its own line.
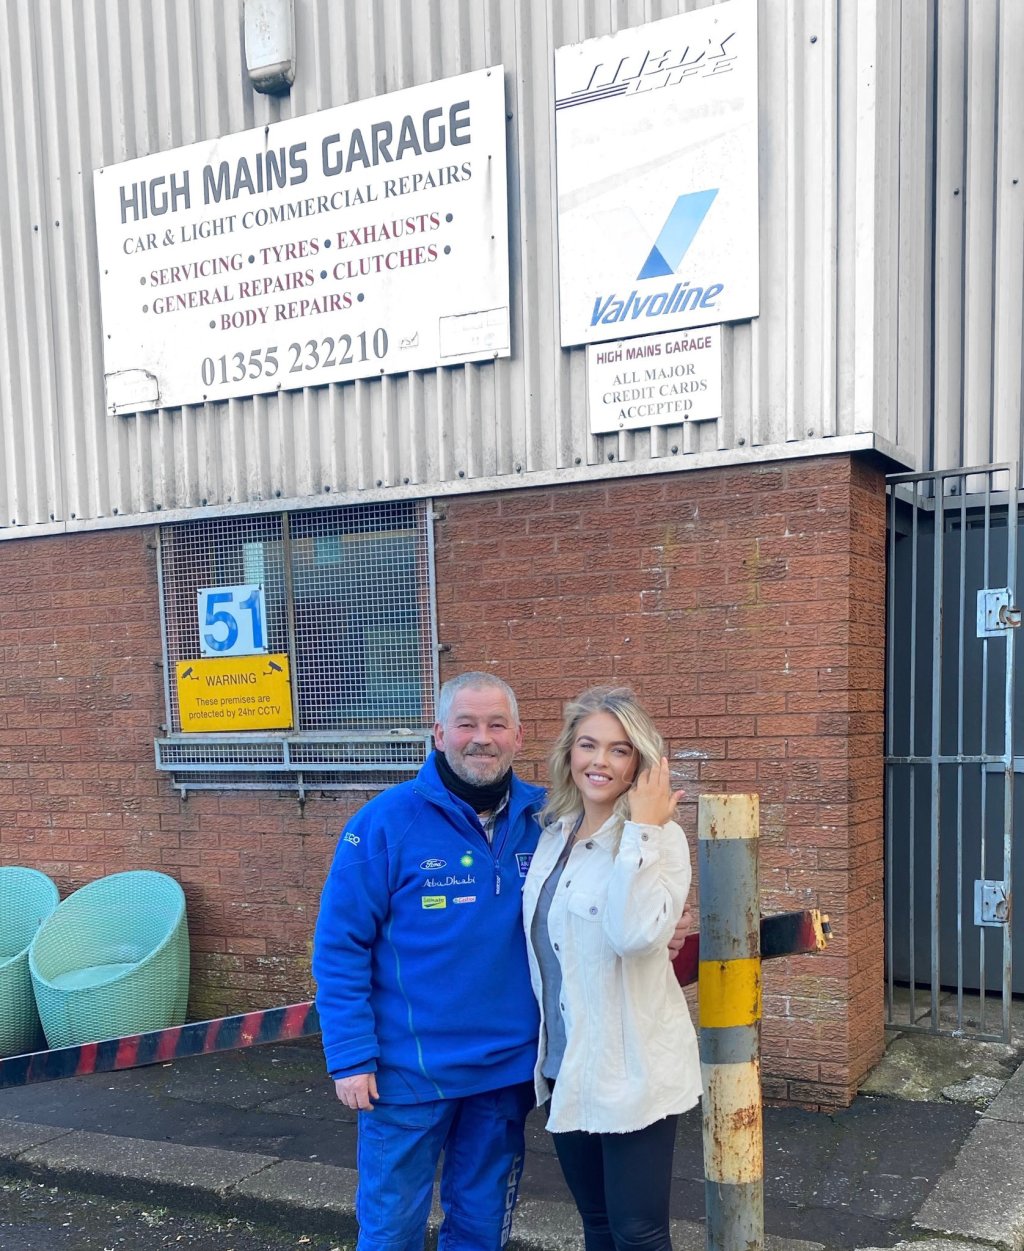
<point>652,801</point>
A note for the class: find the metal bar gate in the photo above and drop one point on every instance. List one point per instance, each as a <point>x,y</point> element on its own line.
<point>785,934</point>
<point>949,762</point>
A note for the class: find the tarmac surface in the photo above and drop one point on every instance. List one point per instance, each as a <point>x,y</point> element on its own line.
<point>258,1134</point>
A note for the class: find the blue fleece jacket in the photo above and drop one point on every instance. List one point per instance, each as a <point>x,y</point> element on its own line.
<point>419,954</point>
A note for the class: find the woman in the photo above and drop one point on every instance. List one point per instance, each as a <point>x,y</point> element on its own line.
<point>618,1054</point>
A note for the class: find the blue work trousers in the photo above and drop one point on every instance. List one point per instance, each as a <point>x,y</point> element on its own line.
<point>482,1139</point>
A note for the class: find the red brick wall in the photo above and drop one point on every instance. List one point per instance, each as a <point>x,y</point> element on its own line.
<point>745,605</point>
<point>81,701</point>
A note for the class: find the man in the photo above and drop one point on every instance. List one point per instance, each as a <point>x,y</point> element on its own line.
<point>429,1023</point>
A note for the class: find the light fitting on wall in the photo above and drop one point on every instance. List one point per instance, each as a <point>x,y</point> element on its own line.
<point>270,44</point>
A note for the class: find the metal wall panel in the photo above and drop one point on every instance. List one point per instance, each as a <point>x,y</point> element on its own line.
<point>86,83</point>
<point>974,316</point>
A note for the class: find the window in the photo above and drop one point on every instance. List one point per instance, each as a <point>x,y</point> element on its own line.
<point>348,596</point>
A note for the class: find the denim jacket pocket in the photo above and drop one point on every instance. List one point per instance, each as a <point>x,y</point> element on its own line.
<point>585,906</point>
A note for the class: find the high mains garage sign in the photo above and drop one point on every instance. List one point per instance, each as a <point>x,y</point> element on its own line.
<point>363,240</point>
<point>656,142</point>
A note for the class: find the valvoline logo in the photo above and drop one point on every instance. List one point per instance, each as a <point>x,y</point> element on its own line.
<point>673,242</point>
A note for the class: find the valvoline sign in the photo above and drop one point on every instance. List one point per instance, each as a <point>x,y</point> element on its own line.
<point>656,150</point>
<point>663,261</point>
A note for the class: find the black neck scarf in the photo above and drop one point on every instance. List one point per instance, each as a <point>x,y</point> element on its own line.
<point>480,798</point>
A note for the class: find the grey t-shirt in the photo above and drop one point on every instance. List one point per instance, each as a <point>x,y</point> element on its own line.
<point>550,968</point>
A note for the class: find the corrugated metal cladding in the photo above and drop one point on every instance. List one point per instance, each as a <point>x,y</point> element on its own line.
<point>878,119</point>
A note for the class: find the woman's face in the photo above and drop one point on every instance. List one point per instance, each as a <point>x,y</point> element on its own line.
<point>603,762</point>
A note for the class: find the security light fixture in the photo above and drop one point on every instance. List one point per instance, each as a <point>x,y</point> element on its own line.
<point>270,44</point>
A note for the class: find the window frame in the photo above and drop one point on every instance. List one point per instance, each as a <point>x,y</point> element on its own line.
<point>362,758</point>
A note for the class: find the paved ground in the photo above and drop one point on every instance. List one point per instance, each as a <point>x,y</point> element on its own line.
<point>845,1179</point>
<point>38,1217</point>
<point>258,1134</point>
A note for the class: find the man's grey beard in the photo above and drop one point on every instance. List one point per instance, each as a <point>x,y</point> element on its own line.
<point>475,779</point>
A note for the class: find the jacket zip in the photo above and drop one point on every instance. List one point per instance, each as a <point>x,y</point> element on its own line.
<point>494,849</point>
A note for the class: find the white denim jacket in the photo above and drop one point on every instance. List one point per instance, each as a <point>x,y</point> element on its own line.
<point>631,1050</point>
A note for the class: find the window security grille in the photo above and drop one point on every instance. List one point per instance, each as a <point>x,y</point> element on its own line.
<point>349,598</point>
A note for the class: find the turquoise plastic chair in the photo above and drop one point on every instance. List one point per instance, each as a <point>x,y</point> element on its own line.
<point>112,959</point>
<point>27,898</point>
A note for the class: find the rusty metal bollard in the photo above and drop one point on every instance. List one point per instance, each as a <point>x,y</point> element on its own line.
<point>729,1000</point>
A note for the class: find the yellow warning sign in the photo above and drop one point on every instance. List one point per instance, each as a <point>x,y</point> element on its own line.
<point>234,693</point>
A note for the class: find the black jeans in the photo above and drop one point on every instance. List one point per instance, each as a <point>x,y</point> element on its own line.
<point>621,1184</point>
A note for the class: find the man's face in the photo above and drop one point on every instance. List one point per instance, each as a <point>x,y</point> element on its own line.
<point>481,737</point>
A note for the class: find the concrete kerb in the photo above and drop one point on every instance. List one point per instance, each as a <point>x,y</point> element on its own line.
<point>927,1244</point>
<point>319,1197</point>
<point>123,1167</point>
<point>258,1187</point>
<point>980,1198</point>
<point>230,1183</point>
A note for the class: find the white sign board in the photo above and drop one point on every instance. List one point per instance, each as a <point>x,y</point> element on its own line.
<point>660,380</point>
<point>232,620</point>
<point>364,240</point>
<point>656,152</point>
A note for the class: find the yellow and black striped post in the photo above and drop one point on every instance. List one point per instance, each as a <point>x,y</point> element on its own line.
<point>729,990</point>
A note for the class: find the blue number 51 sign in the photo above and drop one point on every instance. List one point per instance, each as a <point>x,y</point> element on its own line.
<point>232,620</point>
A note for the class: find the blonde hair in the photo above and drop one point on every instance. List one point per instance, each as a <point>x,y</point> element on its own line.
<point>563,795</point>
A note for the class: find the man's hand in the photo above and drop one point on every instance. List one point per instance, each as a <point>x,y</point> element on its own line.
<point>675,943</point>
<point>359,1091</point>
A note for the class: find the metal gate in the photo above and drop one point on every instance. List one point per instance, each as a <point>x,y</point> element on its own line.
<point>950,770</point>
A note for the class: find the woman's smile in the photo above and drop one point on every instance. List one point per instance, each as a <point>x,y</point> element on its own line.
<point>603,761</point>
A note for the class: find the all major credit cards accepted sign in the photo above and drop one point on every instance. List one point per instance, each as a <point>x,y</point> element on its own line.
<point>656,150</point>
